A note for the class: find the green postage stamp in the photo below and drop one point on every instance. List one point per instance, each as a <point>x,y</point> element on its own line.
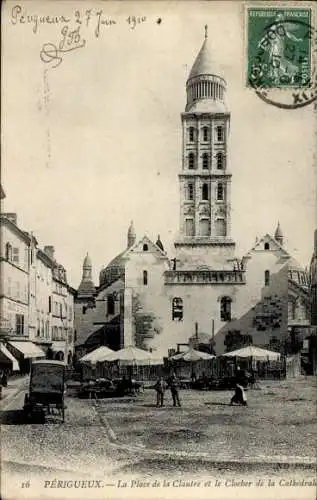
<point>279,47</point>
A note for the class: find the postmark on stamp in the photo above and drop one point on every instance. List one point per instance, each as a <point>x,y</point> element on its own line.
<point>278,47</point>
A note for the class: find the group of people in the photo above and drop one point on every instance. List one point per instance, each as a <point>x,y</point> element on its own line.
<point>173,384</point>
<point>162,385</point>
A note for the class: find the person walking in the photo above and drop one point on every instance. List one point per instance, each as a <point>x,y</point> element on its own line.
<point>239,396</point>
<point>160,387</point>
<point>174,386</point>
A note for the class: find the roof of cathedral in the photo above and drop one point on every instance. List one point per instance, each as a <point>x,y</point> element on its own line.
<point>268,238</point>
<point>116,267</point>
<point>204,64</point>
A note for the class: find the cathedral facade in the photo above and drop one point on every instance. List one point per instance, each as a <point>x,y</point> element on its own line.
<point>204,294</point>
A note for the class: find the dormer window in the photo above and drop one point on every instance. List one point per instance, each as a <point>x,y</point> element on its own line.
<point>266,246</point>
<point>145,247</point>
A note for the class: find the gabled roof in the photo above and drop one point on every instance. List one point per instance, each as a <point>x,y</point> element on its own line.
<point>152,247</point>
<point>19,232</point>
<point>267,238</point>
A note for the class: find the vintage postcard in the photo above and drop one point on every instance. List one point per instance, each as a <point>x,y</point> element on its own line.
<point>158,333</point>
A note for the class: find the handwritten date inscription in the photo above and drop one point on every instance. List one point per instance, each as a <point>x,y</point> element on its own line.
<point>71,37</point>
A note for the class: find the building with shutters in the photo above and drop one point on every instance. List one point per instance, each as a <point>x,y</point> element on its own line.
<point>30,279</point>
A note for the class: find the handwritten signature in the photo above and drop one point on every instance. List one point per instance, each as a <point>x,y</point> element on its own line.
<point>71,40</point>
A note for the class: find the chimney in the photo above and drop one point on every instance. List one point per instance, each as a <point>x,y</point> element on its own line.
<point>12,217</point>
<point>49,250</point>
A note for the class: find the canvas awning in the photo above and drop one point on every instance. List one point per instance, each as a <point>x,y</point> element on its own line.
<point>132,355</point>
<point>254,352</point>
<point>97,355</point>
<point>6,355</point>
<point>192,355</point>
<point>27,349</point>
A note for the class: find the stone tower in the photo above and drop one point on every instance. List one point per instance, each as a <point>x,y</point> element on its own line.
<point>205,181</point>
<point>86,289</point>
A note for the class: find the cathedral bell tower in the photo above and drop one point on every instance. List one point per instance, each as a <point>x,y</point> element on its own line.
<point>205,181</point>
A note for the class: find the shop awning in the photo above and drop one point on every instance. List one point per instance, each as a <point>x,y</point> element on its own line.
<point>7,358</point>
<point>27,349</point>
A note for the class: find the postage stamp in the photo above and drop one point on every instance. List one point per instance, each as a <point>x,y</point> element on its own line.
<point>279,47</point>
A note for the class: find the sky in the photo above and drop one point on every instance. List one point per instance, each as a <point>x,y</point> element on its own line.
<point>95,142</point>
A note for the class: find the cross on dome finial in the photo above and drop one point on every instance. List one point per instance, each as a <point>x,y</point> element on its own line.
<point>206,30</point>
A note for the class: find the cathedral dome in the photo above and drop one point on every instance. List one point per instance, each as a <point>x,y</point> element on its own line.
<point>297,273</point>
<point>205,88</point>
<point>204,64</point>
<point>113,271</point>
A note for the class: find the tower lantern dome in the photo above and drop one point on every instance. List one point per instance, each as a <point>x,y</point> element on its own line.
<point>205,88</point>
<point>86,288</point>
<point>131,235</point>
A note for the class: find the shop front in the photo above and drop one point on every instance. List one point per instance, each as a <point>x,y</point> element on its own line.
<point>24,352</point>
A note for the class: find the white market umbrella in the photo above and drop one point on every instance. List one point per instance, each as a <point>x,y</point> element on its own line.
<point>132,356</point>
<point>254,352</point>
<point>192,355</point>
<point>95,356</point>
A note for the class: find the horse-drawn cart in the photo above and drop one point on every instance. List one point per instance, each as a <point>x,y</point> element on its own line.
<point>46,391</point>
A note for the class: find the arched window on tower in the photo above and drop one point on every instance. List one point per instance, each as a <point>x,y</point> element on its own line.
<point>205,161</point>
<point>191,134</point>
<point>220,134</point>
<point>205,192</point>
<point>191,160</point>
<point>220,191</point>
<point>145,277</point>
<point>225,308</point>
<point>220,161</point>
<point>190,191</point>
<point>177,309</point>
<point>205,134</point>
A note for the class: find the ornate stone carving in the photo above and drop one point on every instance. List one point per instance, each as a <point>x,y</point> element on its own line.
<point>204,209</point>
<point>188,210</point>
<point>221,212</point>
